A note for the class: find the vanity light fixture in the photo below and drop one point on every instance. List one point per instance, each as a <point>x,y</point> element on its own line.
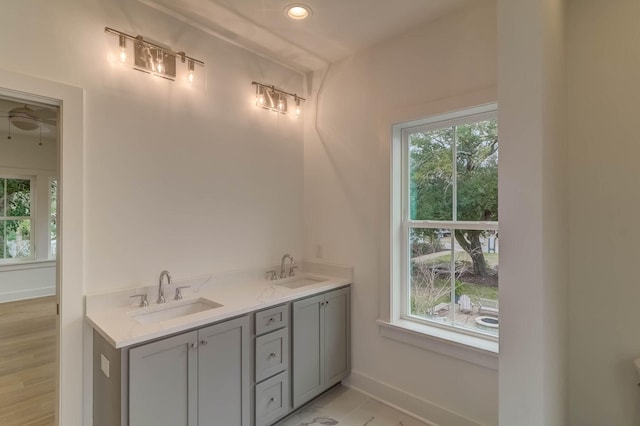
<point>268,97</point>
<point>298,12</point>
<point>153,58</point>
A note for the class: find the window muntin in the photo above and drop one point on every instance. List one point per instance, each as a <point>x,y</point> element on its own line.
<point>16,219</point>
<point>450,213</point>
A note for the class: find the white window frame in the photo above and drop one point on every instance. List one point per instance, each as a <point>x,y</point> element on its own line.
<point>40,218</point>
<point>32,219</point>
<point>478,348</point>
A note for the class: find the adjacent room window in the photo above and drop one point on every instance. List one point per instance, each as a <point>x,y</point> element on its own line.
<point>16,218</point>
<point>53,224</point>
<point>447,228</point>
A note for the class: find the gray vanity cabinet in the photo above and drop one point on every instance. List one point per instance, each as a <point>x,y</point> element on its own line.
<point>197,378</point>
<point>321,343</point>
<point>163,382</point>
<point>224,374</point>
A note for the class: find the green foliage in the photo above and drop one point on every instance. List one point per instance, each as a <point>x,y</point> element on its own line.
<point>476,177</point>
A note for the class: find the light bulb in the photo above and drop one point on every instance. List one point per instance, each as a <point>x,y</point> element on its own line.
<point>259,95</point>
<point>280,103</point>
<point>298,12</point>
<point>190,67</point>
<point>123,49</point>
<point>160,67</point>
<point>298,110</point>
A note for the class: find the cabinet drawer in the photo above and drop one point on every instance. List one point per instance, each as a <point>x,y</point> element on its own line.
<point>272,319</point>
<point>272,399</point>
<point>272,354</point>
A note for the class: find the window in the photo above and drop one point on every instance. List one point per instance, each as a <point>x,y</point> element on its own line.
<point>16,219</point>
<point>53,225</point>
<point>445,243</point>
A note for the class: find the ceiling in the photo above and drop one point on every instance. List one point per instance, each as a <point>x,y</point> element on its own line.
<point>337,28</point>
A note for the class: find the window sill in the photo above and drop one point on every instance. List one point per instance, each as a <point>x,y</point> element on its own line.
<point>27,264</point>
<point>458,345</point>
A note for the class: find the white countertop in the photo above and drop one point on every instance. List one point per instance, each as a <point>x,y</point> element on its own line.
<point>112,314</point>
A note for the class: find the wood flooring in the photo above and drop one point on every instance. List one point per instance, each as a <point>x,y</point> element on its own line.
<point>28,362</point>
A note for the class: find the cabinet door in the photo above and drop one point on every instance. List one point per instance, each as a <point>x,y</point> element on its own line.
<point>337,329</point>
<point>223,362</point>
<point>308,329</point>
<point>163,382</point>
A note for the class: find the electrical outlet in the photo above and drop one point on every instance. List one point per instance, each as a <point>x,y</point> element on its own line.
<point>104,365</point>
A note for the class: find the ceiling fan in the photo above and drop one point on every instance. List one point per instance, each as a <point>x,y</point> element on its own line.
<point>27,118</point>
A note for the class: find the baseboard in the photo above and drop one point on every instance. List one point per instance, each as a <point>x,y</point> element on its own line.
<point>32,293</point>
<point>412,405</point>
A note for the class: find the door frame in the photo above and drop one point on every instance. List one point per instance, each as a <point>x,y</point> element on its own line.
<point>69,271</point>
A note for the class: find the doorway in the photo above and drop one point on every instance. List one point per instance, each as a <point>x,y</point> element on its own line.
<point>28,267</point>
<point>71,365</point>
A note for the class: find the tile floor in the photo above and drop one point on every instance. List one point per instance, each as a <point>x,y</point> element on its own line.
<point>342,406</point>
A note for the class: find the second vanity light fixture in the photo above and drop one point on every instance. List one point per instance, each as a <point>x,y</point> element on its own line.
<point>152,58</point>
<point>269,97</point>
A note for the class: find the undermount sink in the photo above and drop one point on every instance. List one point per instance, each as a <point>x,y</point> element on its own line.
<point>174,310</point>
<point>299,282</point>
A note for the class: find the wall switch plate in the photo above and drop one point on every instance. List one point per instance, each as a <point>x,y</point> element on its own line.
<point>104,365</point>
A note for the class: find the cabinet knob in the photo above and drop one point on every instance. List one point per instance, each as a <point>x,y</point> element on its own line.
<point>203,342</point>
<point>272,355</point>
<point>194,345</point>
<point>272,319</point>
<point>271,400</point>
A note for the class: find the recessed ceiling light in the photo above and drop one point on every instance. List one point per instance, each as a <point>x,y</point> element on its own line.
<point>298,12</point>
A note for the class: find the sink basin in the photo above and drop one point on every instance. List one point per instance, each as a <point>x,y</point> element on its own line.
<point>299,282</point>
<point>174,310</point>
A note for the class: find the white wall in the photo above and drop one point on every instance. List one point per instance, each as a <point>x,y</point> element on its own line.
<point>24,152</point>
<point>428,70</point>
<point>36,281</point>
<point>533,209</point>
<point>604,147</point>
<point>189,179</point>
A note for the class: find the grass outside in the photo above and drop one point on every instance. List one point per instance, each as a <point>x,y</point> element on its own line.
<point>423,300</point>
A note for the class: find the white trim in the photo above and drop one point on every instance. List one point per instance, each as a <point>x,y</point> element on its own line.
<point>472,349</point>
<point>448,119</point>
<point>440,224</point>
<point>410,404</point>
<point>33,293</point>
<point>70,271</point>
<point>27,264</point>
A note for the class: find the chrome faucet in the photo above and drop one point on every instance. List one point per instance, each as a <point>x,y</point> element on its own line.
<point>282,272</point>
<point>163,274</point>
